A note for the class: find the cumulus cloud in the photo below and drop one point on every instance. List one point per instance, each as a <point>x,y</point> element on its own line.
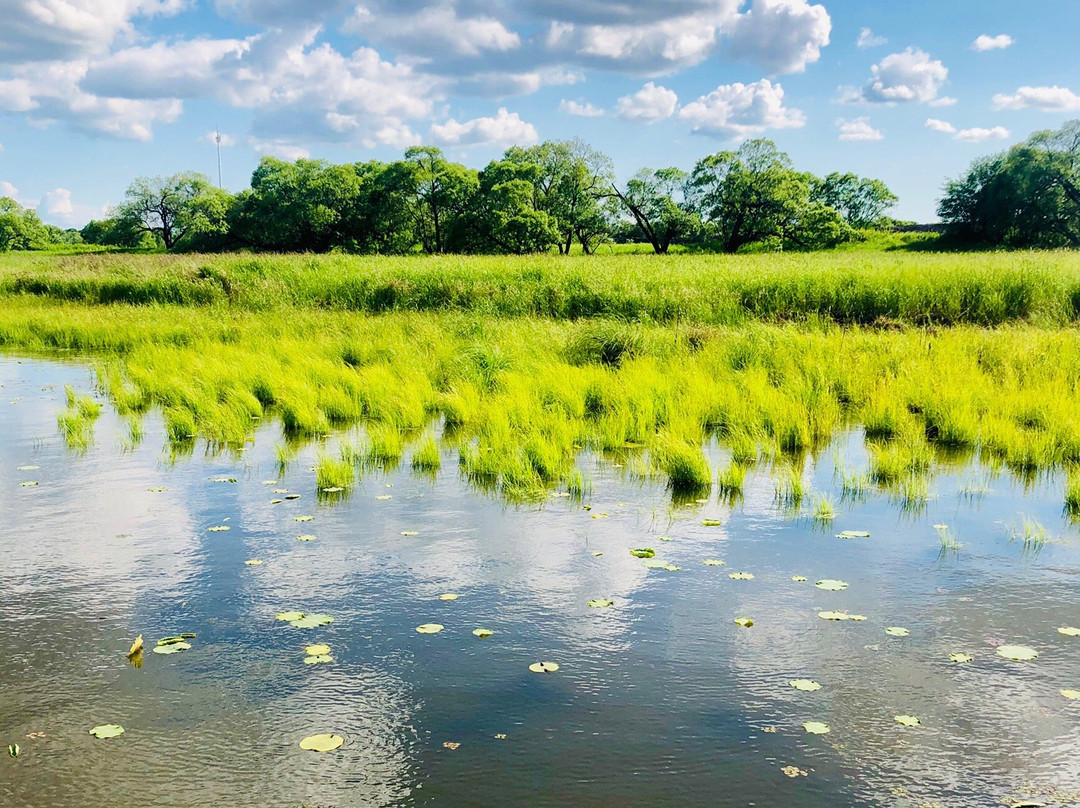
<point>650,104</point>
<point>278,148</point>
<point>504,129</point>
<point>978,134</point>
<point>58,203</point>
<point>9,190</point>
<point>944,101</point>
<point>987,43</point>
<point>783,36</point>
<point>1048,99</point>
<point>940,126</point>
<point>581,109</point>
<point>436,28</point>
<point>212,138</point>
<point>910,76</point>
<point>868,39</point>
<point>742,110</point>
<point>858,129</point>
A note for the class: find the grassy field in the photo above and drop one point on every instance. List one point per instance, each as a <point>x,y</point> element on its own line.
<point>516,365</point>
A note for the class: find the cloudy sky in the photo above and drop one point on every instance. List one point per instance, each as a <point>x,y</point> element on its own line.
<point>96,92</point>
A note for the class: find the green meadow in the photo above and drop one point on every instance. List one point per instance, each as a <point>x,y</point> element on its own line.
<point>516,366</point>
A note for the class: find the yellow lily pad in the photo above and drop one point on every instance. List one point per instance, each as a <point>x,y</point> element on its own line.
<point>1018,653</point>
<point>961,659</point>
<point>254,562</point>
<point>1073,695</point>
<point>817,728</point>
<point>744,622</point>
<point>600,603</point>
<point>830,585</point>
<point>741,576</point>
<point>896,631</point>
<point>317,650</point>
<point>1069,631</point>
<point>806,685</point>
<point>288,617</point>
<point>544,667</point>
<point>318,659</point>
<point>322,743</point>
<point>713,562</point>
<point>307,537</point>
<point>449,596</point>
<point>482,632</point>
<point>219,529</point>
<point>429,628</point>
<point>107,731</point>
<point>907,720</point>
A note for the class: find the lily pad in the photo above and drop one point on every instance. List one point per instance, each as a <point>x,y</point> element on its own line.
<point>159,490</point>
<point>671,567</point>
<point>830,585</point>
<point>961,659</point>
<point>665,538</point>
<point>307,537</point>
<point>600,603</point>
<point>173,648</point>
<point>383,497</point>
<point>806,685</point>
<point>317,650</point>
<point>799,579</point>
<point>482,632</point>
<point>410,533</point>
<point>655,563</point>
<point>288,617</point>
<point>303,518</point>
<point>312,621</point>
<point>219,529</point>
<point>1069,631</point>
<point>907,720</point>
<point>544,667</point>
<point>322,743</point>
<point>853,534</point>
<point>744,622</point>
<point>29,468</point>
<point>254,562</point>
<point>449,596</point>
<point>1018,653</point>
<point>318,659</point>
<point>817,728</point>
<point>276,501</point>
<point>334,489</point>
<point>291,497</point>
<point>107,731</point>
<point>896,631</point>
<point>793,771</point>
<point>834,615</point>
<point>741,576</point>
<point>429,628</point>
<point>713,562</point>
<point>28,484</point>
<point>1073,695</point>
<point>644,552</point>
<point>597,554</point>
<point>711,523</point>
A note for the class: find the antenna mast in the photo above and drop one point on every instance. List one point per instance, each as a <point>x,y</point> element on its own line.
<point>217,140</point>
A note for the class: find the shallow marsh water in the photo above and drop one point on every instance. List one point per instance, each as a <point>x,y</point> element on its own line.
<point>660,700</point>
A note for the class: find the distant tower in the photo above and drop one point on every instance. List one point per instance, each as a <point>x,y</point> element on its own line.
<point>217,140</point>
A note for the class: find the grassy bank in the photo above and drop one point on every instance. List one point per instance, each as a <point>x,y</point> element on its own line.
<point>848,288</point>
<point>516,398</point>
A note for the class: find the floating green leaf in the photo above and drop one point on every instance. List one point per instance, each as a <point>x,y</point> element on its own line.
<point>665,538</point>
<point>1069,631</point>
<point>896,631</point>
<point>322,743</point>
<point>961,659</point>
<point>254,562</point>
<point>28,484</point>
<point>671,567</point>
<point>292,497</point>
<point>711,523</point>
<point>449,596</point>
<point>318,659</point>
<point>107,731</point>
<point>799,579</point>
<point>276,501</point>
<point>307,537</point>
<point>1017,653</point>
<point>383,497</point>
<point>159,490</point>
<point>29,468</point>
<point>312,621</point>
<point>853,534</point>
<point>288,617</point>
<point>303,518</point>
<point>834,615</point>
<point>830,585</point>
<point>817,728</point>
<point>1073,695</point>
<point>741,576</point>
<point>907,720</point>
<point>482,632</point>
<point>173,648</point>
<point>597,554</point>
<point>744,622</point>
<point>219,529</point>
<point>806,685</point>
<point>410,533</point>
<point>429,628</point>
<point>543,667</point>
<point>170,640</point>
<point>317,650</point>
<point>713,562</point>
<point>643,552</point>
<point>600,603</point>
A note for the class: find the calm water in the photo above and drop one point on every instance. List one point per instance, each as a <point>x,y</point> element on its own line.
<point>659,701</point>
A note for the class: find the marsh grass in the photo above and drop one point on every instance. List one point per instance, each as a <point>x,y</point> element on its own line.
<point>427,458</point>
<point>334,472</point>
<point>76,422</point>
<point>824,509</point>
<point>789,488</point>
<point>1072,494</point>
<point>730,481</point>
<point>1030,535</point>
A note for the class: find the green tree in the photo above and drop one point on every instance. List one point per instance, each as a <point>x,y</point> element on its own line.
<point>502,215</point>
<point>437,192</point>
<point>20,228</point>
<point>656,202</point>
<point>862,202</point>
<point>755,195</point>
<point>174,208</point>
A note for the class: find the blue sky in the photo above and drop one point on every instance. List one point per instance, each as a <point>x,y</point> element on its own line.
<point>96,92</point>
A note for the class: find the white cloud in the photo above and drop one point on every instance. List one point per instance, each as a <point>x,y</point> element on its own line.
<point>1048,99</point>
<point>858,129</point>
<point>944,101</point>
<point>650,104</point>
<point>742,110</point>
<point>504,129</point>
<point>867,39</point>
<point>977,135</point>
<point>582,109</point>
<point>9,190</point>
<point>784,36</point>
<point>58,203</point>
<point>986,43</point>
<point>437,29</point>
<point>279,148</point>
<point>940,126</point>
<point>908,76</point>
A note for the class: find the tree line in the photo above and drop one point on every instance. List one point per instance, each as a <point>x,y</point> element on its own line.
<point>553,197</point>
